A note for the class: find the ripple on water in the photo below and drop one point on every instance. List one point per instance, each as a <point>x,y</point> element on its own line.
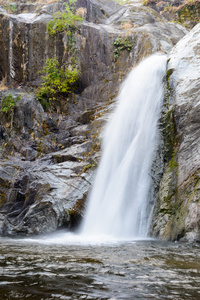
<point>140,270</point>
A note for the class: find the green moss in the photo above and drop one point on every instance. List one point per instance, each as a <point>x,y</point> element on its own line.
<point>169,73</point>
<point>173,164</point>
<point>174,202</point>
<point>87,167</point>
<point>189,13</point>
<point>168,121</point>
<point>164,211</point>
<point>2,195</point>
<point>178,207</point>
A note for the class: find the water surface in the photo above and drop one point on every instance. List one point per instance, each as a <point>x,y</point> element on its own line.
<point>128,270</point>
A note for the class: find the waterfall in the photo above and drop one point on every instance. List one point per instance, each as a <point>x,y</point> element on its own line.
<point>12,71</point>
<point>118,203</point>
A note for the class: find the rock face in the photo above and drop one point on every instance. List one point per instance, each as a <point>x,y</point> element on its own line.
<point>24,51</point>
<point>47,160</point>
<point>44,160</point>
<point>185,12</point>
<point>177,214</point>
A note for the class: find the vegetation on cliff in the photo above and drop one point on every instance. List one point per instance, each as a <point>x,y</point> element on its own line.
<point>186,13</point>
<point>122,44</point>
<point>168,121</point>
<point>66,21</point>
<point>8,106</point>
<point>57,84</point>
<point>60,81</point>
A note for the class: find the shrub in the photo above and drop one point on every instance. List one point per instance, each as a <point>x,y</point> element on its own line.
<point>8,106</point>
<point>9,103</point>
<point>57,83</point>
<point>122,44</point>
<point>10,7</point>
<point>65,21</point>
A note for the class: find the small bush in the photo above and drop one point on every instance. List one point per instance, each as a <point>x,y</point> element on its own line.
<point>57,83</point>
<point>10,7</point>
<point>8,106</point>
<point>65,21</point>
<point>122,44</point>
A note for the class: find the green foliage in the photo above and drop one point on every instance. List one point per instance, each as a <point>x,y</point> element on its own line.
<point>57,83</point>
<point>88,166</point>
<point>122,44</point>
<point>173,164</point>
<point>11,7</point>
<point>9,104</point>
<point>65,21</point>
<point>188,15</point>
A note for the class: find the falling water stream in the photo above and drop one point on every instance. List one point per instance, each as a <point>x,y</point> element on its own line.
<point>12,71</point>
<point>111,257</point>
<point>118,204</point>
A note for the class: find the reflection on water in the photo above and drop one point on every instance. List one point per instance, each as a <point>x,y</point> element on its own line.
<point>128,270</point>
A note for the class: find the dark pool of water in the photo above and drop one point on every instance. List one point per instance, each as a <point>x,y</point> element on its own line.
<point>132,270</point>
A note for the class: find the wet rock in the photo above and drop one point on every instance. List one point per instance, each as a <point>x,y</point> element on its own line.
<point>185,12</point>
<point>41,196</point>
<point>2,133</point>
<point>26,125</point>
<point>102,70</point>
<point>58,152</point>
<point>22,37</point>
<point>177,214</point>
<point>87,116</point>
<point>76,152</point>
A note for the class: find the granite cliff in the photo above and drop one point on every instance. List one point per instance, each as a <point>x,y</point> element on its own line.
<point>48,158</point>
<point>177,215</point>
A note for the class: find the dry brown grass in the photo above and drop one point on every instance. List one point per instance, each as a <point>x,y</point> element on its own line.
<point>126,25</point>
<point>4,2</point>
<point>47,1</point>
<point>81,11</point>
<point>3,87</point>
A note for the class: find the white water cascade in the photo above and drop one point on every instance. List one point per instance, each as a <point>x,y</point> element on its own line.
<point>11,61</point>
<point>118,203</point>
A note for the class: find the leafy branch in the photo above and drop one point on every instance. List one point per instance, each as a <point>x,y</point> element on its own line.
<point>122,44</point>
<point>57,83</point>
<point>66,21</point>
<point>8,106</point>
